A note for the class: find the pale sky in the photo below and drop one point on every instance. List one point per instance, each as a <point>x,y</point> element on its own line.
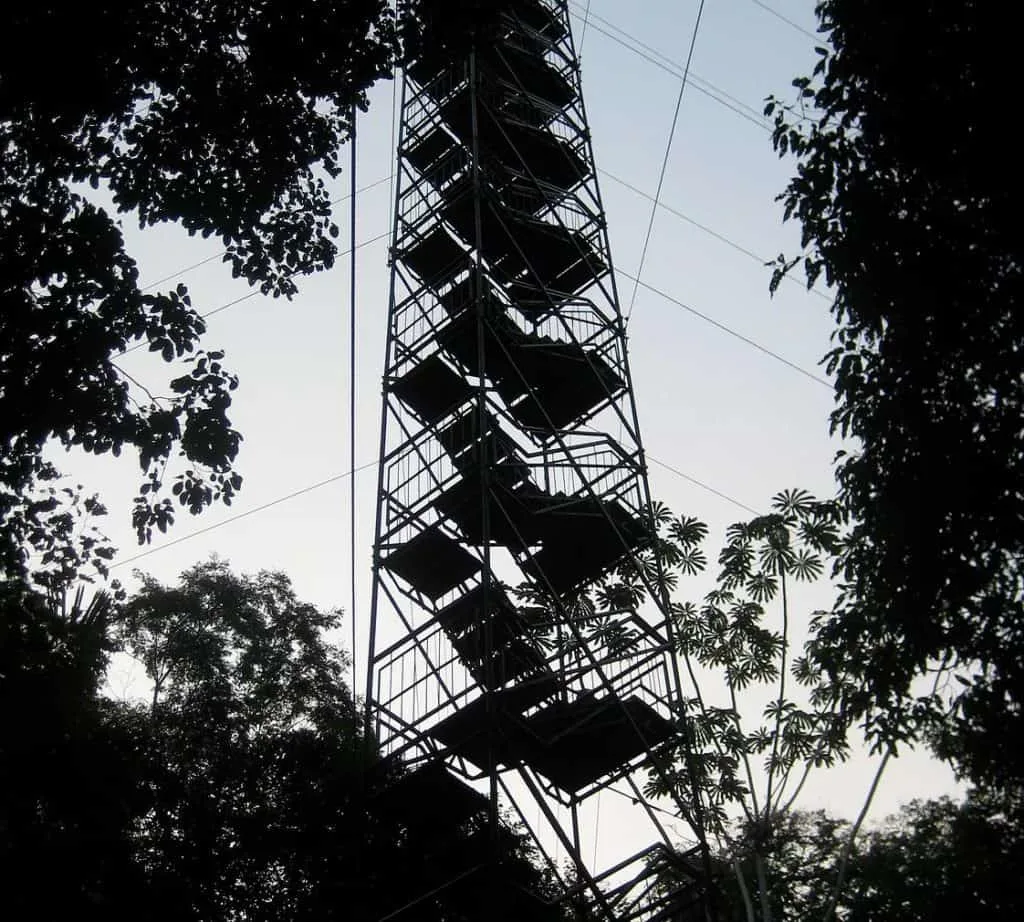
<point>721,411</point>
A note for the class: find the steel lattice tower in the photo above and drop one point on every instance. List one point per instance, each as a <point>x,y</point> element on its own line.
<point>512,481</point>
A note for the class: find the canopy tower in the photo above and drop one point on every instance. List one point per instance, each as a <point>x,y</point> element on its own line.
<point>512,486</point>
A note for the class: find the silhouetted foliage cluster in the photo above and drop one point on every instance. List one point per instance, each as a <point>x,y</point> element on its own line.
<point>936,859</point>
<point>223,117</point>
<point>69,781</point>
<point>909,198</point>
<point>237,787</point>
<point>738,766</point>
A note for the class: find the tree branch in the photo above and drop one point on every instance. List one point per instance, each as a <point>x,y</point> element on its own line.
<point>748,904</point>
<point>782,691</point>
<point>746,758</point>
<point>854,830</point>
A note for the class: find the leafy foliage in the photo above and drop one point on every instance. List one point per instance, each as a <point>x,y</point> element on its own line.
<point>253,758</point>
<point>933,860</point>
<point>735,780</point>
<point>797,857</point>
<point>61,524</point>
<point>219,637</point>
<point>908,201</point>
<point>224,117</point>
<point>940,859</point>
<point>731,635</point>
<point>240,788</point>
<point>68,793</point>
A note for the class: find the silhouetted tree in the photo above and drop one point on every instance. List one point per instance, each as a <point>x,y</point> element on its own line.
<point>223,117</point>
<point>799,855</point>
<point>237,787</point>
<point>759,719</point>
<point>69,780</point>
<point>941,859</point>
<point>908,197</point>
<point>934,859</point>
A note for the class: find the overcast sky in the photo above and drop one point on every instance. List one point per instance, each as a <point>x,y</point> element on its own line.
<point>735,422</point>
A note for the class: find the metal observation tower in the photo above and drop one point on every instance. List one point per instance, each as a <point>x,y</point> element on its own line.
<point>512,489</point>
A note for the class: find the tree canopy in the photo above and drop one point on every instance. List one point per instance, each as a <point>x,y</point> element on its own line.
<point>763,715</point>
<point>908,196</point>
<point>937,859</point>
<point>238,787</point>
<point>223,117</point>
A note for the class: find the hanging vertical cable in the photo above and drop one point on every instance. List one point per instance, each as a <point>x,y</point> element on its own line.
<point>586,21</point>
<point>352,399</point>
<point>664,162</point>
